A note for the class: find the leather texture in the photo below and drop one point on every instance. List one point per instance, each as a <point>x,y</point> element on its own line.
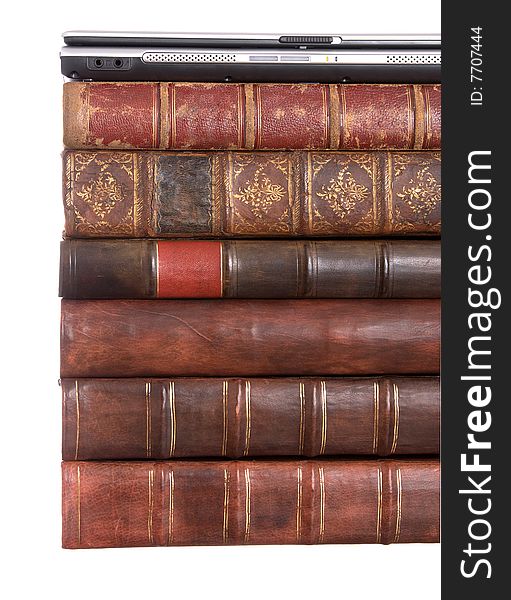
<point>118,504</point>
<point>160,338</point>
<point>249,269</point>
<point>208,116</point>
<point>256,194</point>
<point>120,419</point>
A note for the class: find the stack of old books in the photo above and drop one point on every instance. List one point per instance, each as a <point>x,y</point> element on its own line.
<point>250,323</point>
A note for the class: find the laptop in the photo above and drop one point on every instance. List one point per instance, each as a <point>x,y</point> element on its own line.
<point>138,56</point>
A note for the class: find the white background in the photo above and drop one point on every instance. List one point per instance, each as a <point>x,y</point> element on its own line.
<point>33,563</point>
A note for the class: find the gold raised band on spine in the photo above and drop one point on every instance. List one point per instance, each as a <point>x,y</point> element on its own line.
<point>308,192</point>
<point>302,419</point>
<point>299,502</point>
<point>172,418</point>
<point>335,118</point>
<point>170,529</point>
<point>428,129</point>
<point>379,508</point>
<point>344,131</point>
<point>324,416</point>
<point>225,527</point>
<point>225,410</point>
<point>249,116</point>
<point>77,401</point>
<point>172,111</point>
<point>395,432</point>
<point>148,419</point>
<point>78,504</point>
<point>399,505</point>
<point>376,415</point>
<point>150,507</point>
<point>420,123</point>
<point>137,203</point>
<point>389,205</point>
<point>216,204</point>
<point>157,252</point>
<point>248,418</point>
<point>164,116</point>
<point>321,505</point>
<point>247,506</point>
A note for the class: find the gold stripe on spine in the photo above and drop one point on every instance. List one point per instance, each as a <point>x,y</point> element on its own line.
<point>321,504</point>
<point>78,504</point>
<point>335,118</point>
<point>427,119</point>
<point>157,247</point>
<point>225,408</point>
<point>225,528</point>
<point>172,417</point>
<point>395,433</point>
<point>326,113</point>
<point>308,186</point>
<point>155,127</point>
<point>137,205</point>
<point>216,206</point>
<point>170,530</point>
<point>290,199</point>
<point>77,401</point>
<point>258,116</point>
<point>88,109</point>
<point>302,418</point>
<point>388,192</point>
<point>399,505</point>
<point>172,107</point>
<point>247,506</point>
<point>229,180</point>
<point>376,181</point>
<point>419,118</point>
<point>344,129</point>
<point>150,507</point>
<point>164,116</point>
<point>248,418</point>
<point>249,116</point>
<point>379,506</point>
<point>376,416</point>
<point>241,115</point>
<point>324,417</point>
<point>299,501</point>
<point>148,432</point>
<point>410,115</point>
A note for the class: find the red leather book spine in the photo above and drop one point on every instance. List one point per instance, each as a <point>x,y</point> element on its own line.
<point>207,116</point>
<point>118,504</point>
<point>160,338</point>
<point>120,419</point>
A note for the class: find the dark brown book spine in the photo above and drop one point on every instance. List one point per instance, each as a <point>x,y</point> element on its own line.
<point>206,116</point>
<point>118,504</point>
<point>249,269</point>
<point>112,419</point>
<point>256,194</point>
<point>161,338</point>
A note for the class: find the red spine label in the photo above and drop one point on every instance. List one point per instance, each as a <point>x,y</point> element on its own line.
<point>189,270</point>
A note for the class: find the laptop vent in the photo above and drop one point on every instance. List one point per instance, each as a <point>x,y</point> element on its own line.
<point>183,57</point>
<point>414,59</point>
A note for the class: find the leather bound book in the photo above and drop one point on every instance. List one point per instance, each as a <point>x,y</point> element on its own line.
<point>119,504</point>
<point>251,194</point>
<point>161,338</point>
<point>112,419</point>
<point>217,116</point>
<point>249,269</point>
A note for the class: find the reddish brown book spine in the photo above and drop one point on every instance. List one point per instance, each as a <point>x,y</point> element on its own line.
<point>207,116</point>
<point>242,194</point>
<point>160,338</point>
<point>118,504</point>
<point>112,419</point>
<point>249,269</point>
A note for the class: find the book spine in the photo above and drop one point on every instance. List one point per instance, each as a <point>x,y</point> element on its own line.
<point>249,269</point>
<point>121,419</point>
<point>119,504</point>
<point>185,116</point>
<point>161,338</point>
<point>256,194</point>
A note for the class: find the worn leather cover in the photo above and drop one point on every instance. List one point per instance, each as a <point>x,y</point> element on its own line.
<point>243,194</point>
<point>118,504</point>
<point>161,338</point>
<point>111,419</point>
<point>249,269</point>
<point>207,116</point>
